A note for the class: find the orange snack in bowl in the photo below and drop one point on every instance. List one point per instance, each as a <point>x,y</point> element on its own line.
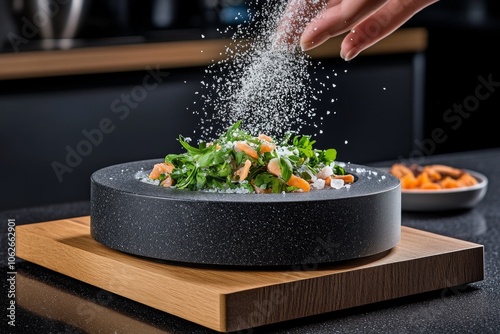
<point>434,175</point>
<point>449,183</point>
<point>431,177</point>
<point>466,180</point>
<point>430,186</point>
<point>423,178</point>
<point>400,171</point>
<point>408,182</point>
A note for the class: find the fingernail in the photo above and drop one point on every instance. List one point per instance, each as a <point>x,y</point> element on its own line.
<point>306,46</point>
<point>351,55</point>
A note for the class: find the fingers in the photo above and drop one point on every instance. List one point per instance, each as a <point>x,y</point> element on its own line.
<point>295,17</point>
<point>379,25</point>
<point>369,21</point>
<point>338,17</point>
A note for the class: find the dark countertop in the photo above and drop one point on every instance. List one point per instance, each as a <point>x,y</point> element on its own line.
<point>65,305</point>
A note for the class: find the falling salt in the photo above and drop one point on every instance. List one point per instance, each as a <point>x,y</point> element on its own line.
<point>267,85</point>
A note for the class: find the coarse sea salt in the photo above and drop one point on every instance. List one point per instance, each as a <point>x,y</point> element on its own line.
<point>337,183</point>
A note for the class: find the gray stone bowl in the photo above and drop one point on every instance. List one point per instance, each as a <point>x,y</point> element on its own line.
<point>256,230</point>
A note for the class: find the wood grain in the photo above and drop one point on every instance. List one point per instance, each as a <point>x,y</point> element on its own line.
<point>139,57</point>
<point>229,300</point>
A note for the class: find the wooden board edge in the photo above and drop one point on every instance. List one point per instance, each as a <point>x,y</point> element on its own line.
<point>273,304</point>
<point>56,255</point>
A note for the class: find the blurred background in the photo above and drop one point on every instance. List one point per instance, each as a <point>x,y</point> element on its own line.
<point>87,84</point>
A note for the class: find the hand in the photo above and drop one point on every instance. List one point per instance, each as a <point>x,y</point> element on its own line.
<point>368,21</point>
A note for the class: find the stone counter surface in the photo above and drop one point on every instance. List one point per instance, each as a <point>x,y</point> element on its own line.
<point>64,305</point>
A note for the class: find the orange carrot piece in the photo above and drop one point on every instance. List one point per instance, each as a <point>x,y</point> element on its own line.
<point>348,178</point>
<point>247,149</point>
<point>299,182</point>
<point>273,167</point>
<point>328,181</point>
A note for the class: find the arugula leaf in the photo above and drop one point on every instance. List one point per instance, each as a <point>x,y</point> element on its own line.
<point>286,168</point>
<point>188,147</point>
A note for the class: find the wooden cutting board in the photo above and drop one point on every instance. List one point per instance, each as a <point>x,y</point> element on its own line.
<point>236,299</point>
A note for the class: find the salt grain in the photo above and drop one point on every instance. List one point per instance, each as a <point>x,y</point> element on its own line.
<point>266,85</point>
<point>336,183</point>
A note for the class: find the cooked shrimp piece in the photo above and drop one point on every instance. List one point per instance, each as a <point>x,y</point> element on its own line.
<point>247,149</point>
<point>265,137</point>
<point>273,167</point>
<point>348,178</point>
<point>160,168</point>
<point>266,147</point>
<point>242,172</point>
<point>167,182</point>
<point>266,144</point>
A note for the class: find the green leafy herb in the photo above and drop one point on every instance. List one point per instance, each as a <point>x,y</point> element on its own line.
<point>217,166</point>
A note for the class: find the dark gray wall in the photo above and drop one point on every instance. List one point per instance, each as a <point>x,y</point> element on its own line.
<point>43,122</point>
<point>462,54</point>
<point>4,23</point>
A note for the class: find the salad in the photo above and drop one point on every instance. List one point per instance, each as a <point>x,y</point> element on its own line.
<point>238,162</point>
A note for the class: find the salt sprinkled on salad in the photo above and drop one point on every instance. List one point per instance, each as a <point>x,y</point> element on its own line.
<point>266,84</point>
<point>238,162</point>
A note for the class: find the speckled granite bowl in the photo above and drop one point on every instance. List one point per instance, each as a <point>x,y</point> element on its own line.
<point>292,229</point>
